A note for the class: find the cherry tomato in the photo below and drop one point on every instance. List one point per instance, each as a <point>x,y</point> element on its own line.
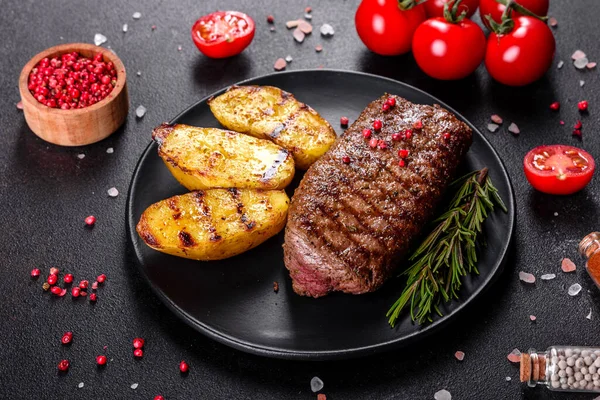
<point>495,9</point>
<point>223,33</point>
<point>521,56</point>
<point>558,169</point>
<point>435,8</point>
<point>386,29</point>
<point>446,50</point>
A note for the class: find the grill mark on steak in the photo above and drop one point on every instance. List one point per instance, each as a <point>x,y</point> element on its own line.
<point>386,204</point>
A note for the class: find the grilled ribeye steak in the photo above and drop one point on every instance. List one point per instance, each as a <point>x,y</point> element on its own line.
<point>358,209</point>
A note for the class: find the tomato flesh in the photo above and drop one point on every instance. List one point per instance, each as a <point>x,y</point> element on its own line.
<point>558,169</point>
<point>223,33</point>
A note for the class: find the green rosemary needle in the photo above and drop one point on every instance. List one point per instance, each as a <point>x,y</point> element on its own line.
<point>449,252</point>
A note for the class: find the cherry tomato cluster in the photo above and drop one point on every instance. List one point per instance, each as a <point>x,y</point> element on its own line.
<point>448,45</point>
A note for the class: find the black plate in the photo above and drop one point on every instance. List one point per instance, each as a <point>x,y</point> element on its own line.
<point>232,300</point>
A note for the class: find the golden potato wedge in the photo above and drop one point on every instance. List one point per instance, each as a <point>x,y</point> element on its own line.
<point>269,112</point>
<point>213,224</point>
<point>204,158</point>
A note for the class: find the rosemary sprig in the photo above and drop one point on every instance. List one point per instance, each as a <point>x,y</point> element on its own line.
<point>449,252</point>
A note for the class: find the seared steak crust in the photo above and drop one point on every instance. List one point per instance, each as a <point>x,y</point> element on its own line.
<point>350,223</point>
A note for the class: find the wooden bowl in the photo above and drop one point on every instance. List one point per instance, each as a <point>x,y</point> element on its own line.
<point>83,125</point>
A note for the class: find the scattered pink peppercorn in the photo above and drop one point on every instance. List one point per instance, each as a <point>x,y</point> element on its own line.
<point>377,125</point>
<point>382,145</point>
<point>582,105</point>
<point>93,297</point>
<point>55,290</point>
<point>52,279</point>
<point>83,293</point>
<point>446,135</point>
<point>54,271</point>
<point>101,278</point>
<point>577,125</point>
<point>184,367</point>
<point>403,153</point>
<point>346,160</point>
<point>90,221</point>
<point>75,291</point>
<point>373,143</point>
<point>576,132</point>
<point>66,338</point>
<point>391,101</point>
<point>308,10</point>
<point>396,136</point>
<point>402,163</point>
<point>138,343</point>
<point>101,360</point>
<point>385,107</point>
<point>159,397</point>
<point>366,133</point>
<point>418,124</point>
<point>84,284</point>
<point>68,278</point>
<point>63,365</point>
<point>408,133</point>
<point>139,353</point>
<point>344,121</point>
<point>555,106</point>
<point>95,286</point>
<point>270,19</point>
<point>35,273</point>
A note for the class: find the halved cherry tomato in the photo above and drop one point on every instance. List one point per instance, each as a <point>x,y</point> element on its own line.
<point>385,28</point>
<point>435,8</point>
<point>223,33</point>
<point>495,9</point>
<point>521,56</point>
<point>558,169</point>
<point>446,50</point>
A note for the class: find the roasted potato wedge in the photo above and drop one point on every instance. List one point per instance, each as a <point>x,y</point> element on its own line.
<point>204,158</point>
<point>269,112</point>
<point>213,224</point>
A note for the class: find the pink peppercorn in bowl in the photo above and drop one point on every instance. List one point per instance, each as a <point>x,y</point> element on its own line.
<point>98,116</point>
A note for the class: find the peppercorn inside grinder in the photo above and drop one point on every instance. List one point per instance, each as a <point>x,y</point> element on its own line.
<point>75,126</point>
<point>589,247</point>
<point>563,368</point>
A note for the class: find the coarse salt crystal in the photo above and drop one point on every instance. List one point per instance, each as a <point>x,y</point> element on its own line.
<point>560,64</point>
<point>292,24</point>
<point>591,65</point>
<point>288,59</point>
<point>578,54</point>
<point>318,48</point>
<point>113,192</point>
<point>110,150</point>
<point>140,111</point>
<point>442,395</point>
<point>567,265</point>
<point>137,15</point>
<point>574,289</point>
<point>80,385</point>
<point>526,277</point>
<point>316,384</point>
<point>99,39</point>
<point>125,27</point>
<point>459,355</point>
<point>299,35</point>
<point>20,105</point>
<point>305,27</point>
<point>179,48</point>
<point>581,63</point>
<point>272,29</point>
<point>308,16</point>
<point>555,214</point>
<point>135,386</point>
<point>492,127</point>
<point>532,317</point>
<point>81,156</point>
<point>514,129</point>
<point>139,73</point>
<point>581,83</point>
<point>280,64</point>
<point>514,356</point>
<point>508,379</point>
<point>548,277</point>
<point>552,22</point>
<point>496,119</point>
<point>326,30</point>
<point>589,316</point>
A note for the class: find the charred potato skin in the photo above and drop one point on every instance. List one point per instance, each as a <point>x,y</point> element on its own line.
<point>213,224</point>
<point>205,158</point>
<point>271,113</point>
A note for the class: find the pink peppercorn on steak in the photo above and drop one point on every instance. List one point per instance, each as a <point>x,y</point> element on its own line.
<point>359,207</point>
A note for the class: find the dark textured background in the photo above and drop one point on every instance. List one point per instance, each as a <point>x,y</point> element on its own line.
<point>46,192</point>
